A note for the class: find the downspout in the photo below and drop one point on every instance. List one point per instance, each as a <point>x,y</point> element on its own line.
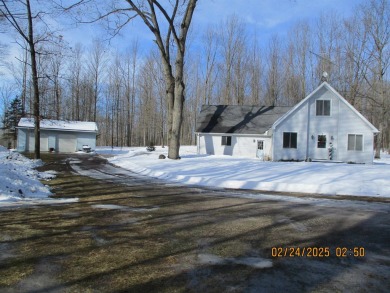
<point>273,142</point>
<point>198,143</point>
<point>337,137</point>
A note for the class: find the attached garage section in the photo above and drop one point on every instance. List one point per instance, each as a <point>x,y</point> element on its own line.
<point>66,143</point>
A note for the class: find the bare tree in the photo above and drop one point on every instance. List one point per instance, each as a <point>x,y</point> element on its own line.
<point>329,35</point>
<point>274,72</point>
<point>174,79</point>
<point>95,66</point>
<point>169,24</point>
<point>21,74</point>
<point>56,54</point>
<point>256,71</point>
<point>3,46</point>
<point>76,68</point>
<point>20,16</point>
<point>210,72</point>
<point>355,61</point>
<point>232,49</point>
<point>129,72</point>
<point>296,63</point>
<point>377,24</point>
<point>6,94</point>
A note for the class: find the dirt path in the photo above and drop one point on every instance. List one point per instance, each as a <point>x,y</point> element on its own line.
<point>129,233</point>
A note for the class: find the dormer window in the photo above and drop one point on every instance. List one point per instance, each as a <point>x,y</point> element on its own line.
<point>323,108</point>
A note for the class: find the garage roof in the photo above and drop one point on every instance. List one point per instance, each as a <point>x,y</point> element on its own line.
<point>82,126</point>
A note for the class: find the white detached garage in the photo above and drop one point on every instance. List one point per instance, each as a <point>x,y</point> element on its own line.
<point>56,135</point>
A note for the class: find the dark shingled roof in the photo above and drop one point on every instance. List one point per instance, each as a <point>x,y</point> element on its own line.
<point>238,119</point>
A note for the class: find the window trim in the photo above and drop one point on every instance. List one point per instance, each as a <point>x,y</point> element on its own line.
<point>354,145</point>
<point>290,144</point>
<point>323,108</point>
<point>226,140</point>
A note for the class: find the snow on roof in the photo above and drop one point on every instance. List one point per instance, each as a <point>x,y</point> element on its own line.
<point>60,125</point>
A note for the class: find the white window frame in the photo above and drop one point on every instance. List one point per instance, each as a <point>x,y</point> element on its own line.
<point>290,140</point>
<point>354,145</point>
<point>225,142</point>
<point>330,108</point>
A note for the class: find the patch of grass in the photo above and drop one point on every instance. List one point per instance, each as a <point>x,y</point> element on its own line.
<point>152,249</point>
<point>13,273</point>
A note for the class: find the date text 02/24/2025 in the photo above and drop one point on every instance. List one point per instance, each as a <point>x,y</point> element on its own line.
<point>356,251</point>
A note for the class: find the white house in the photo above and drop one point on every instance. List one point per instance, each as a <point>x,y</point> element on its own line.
<point>323,126</point>
<point>56,135</point>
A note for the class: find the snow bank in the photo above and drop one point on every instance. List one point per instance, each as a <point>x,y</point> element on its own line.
<point>243,173</point>
<point>19,181</point>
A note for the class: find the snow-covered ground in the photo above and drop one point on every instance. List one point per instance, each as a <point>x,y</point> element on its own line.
<point>20,182</point>
<point>243,173</point>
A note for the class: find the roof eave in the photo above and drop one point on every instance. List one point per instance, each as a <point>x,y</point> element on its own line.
<point>56,129</point>
<point>235,134</point>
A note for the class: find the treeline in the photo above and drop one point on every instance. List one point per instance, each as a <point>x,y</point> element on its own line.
<point>226,64</point>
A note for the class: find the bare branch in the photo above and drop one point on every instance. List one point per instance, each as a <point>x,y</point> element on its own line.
<point>12,20</point>
<point>72,6</point>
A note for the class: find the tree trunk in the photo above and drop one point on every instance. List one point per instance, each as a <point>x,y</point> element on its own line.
<point>379,139</point>
<point>37,153</point>
<point>177,118</point>
<point>170,94</point>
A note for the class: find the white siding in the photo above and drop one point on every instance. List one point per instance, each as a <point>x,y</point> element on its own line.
<point>241,146</point>
<point>296,122</point>
<point>350,125</point>
<point>85,138</point>
<point>323,125</point>
<point>342,121</point>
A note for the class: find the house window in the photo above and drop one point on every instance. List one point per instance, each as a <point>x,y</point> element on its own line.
<point>355,142</point>
<point>321,142</point>
<point>260,144</point>
<point>323,108</point>
<point>290,140</point>
<point>226,140</point>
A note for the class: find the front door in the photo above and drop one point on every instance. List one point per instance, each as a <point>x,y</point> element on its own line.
<point>321,150</point>
<point>260,149</point>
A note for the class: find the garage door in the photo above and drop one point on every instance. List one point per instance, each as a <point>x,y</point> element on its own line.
<point>44,142</point>
<point>66,143</point>
<point>31,142</point>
